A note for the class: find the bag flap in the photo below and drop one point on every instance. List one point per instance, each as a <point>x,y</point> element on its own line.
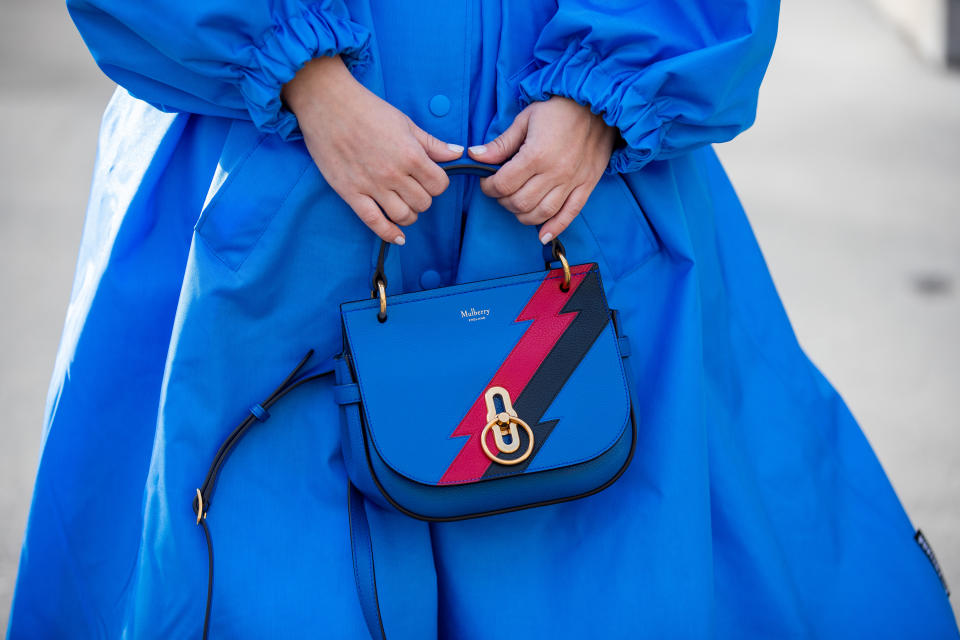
<point>424,373</point>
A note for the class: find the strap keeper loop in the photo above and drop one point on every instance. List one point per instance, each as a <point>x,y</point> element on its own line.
<point>346,393</point>
<point>259,412</point>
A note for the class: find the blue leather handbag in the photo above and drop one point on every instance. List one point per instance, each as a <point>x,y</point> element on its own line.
<point>512,394</point>
<point>486,397</point>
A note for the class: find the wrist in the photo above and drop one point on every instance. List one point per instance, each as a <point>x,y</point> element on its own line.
<point>319,79</point>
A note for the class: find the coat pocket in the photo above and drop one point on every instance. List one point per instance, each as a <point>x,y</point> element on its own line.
<point>619,226</point>
<point>255,174</point>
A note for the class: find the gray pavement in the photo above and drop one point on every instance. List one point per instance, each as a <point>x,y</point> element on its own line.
<point>851,178</point>
<point>51,98</point>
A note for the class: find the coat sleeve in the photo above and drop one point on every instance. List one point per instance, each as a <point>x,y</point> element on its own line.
<point>218,57</point>
<point>671,75</point>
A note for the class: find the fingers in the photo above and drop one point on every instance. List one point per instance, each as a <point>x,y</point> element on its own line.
<point>371,215</point>
<point>548,206</point>
<point>505,145</point>
<point>424,169</point>
<point>437,150</point>
<point>510,177</point>
<point>520,165</point>
<point>413,193</point>
<point>404,197</point>
<point>431,178</point>
<point>527,197</point>
<point>530,197</point>
<point>396,208</point>
<point>570,210</point>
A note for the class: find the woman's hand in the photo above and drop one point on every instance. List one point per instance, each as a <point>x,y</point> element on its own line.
<point>559,151</point>
<point>370,153</point>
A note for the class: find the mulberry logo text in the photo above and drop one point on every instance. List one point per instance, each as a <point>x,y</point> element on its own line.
<point>474,315</point>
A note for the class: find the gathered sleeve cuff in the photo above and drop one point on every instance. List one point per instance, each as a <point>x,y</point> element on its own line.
<point>274,62</point>
<point>670,76</point>
<point>227,59</point>
<point>577,74</point>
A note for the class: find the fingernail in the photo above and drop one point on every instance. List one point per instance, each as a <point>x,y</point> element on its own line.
<point>458,148</point>
<point>399,240</point>
<point>545,238</point>
<point>479,149</point>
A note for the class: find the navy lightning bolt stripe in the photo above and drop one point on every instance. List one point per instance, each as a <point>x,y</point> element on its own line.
<point>557,367</point>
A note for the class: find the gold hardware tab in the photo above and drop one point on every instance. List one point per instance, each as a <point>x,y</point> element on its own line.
<point>506,422</point>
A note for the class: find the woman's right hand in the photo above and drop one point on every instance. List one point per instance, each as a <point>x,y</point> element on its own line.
<point>370,153</point>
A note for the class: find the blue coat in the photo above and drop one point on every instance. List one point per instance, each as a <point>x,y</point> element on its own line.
<point>214,255</point>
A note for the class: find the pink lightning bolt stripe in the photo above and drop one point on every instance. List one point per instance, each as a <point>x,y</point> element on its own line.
<point>517,369</point>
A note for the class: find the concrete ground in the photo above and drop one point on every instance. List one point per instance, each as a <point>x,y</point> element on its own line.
<point>851,178</point>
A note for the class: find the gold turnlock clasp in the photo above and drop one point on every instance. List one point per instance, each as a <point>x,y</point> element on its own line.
<point>506,426</point>
<point>506,422</point>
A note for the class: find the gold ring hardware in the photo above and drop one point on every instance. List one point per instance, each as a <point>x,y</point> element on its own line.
<point>506,422</point>
<point>200,513</point>
<point>565,285</point>
<point>382,293</point>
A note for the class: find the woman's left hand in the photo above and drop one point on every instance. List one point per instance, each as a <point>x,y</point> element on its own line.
<point>557,151</point>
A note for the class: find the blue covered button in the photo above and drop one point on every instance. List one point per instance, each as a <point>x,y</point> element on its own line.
<point>439,105</point>
<point>429,279</point>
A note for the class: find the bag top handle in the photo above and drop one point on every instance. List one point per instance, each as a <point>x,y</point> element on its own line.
<point>465,166</point>
<point>460,167</point>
